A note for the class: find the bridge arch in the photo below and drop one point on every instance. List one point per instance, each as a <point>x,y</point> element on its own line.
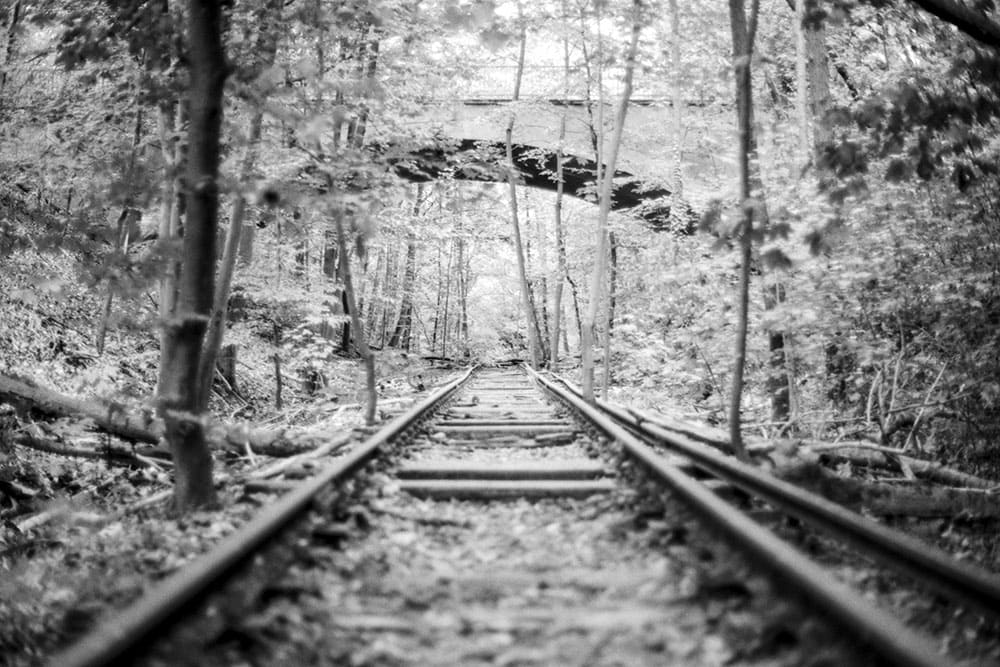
<point>484,161</point>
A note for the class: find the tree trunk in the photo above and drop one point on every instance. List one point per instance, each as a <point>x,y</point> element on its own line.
<point>359,335</point>
<point>512,188</point>
<point>384,324</point>
<point>801,81</point>
<point>404,325</point>
<point>124,227</point>
<point>13,21</point>
<point>542,294</point>
<point>278,383</point>
<point>557,283</point>
<point>818,68</point>
<point>464,271</point>
<point>573,292</point>
<point>973,23</point>
<point>227,268</point>
<point>171,124</point>
<point>606,186</point>
<point>743,39</point>
<point>139,424</point>
<point>610,321</point>
<point>122,240</point>
<point>179,397</point>
<point>677,118</point>
<point>227,365</point>
<point>343,264</point>
<point>356,133</point>
<point>447,299</point>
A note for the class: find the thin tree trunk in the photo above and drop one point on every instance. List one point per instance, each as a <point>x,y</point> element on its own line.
<point>557,291</point>
<point>122,239</point>
<point>818,68</point>
<point>743,38</point>
<point>227,268</point>
<point>437,305</point>
<point>612,295</point>
<point>343,263</point>
<point>171,124</point>
<point>278,403</point>
<point>376,303</point>
<point>266,50</point>
<point>576,306</point>
<point>677,117</point>
<point>606,185</point>
<point>11,44</point>
<point>801,82</point>
<point>512,188</point>
<point>359,335</point>
<point>179,404</point>
<point>387,289</point>
<point>356,134</point>
<point>565,337</point>
<point>404,325</point>
<point>542,295</point>
<point>447,299</point>
<point>464,270</point>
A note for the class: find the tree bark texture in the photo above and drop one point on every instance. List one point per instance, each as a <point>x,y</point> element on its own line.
<point>677,117</point>
<point>610,321</point>
<point>10,43</point>
<point>522,270</point>
<point>180,404</point>
<point>606,186</point>
<point>890,499</point>
<point>973,23</point>
<point>743,38</point>
<point>227,268</point>
<point>265,49</point>
<point>359,333</point>
<point>171,120</point>
<point>136,425</point>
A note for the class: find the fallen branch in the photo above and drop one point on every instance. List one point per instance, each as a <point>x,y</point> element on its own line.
<point>29,400</point>
<point>706,434</point>
<point>877,456</point>
<point>279,467</point>
<point>116,455</point>
<point>135,425</point>
<point>890,499</point>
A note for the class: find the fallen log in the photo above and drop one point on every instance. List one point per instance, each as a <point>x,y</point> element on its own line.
<point>32,401</point>
<point>931,502</point>
<point>142,425</point>
<point>116,455</point>
<point>280,467</point>
<point>874,456</point>
<point>708,435</point>
<point>912,499</point>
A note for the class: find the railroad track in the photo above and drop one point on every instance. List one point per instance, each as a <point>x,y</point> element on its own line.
<point>500,528</point>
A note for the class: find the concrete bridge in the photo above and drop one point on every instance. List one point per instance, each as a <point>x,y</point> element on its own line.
<point>469,135</point>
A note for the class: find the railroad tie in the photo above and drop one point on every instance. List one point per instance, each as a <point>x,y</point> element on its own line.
<point>466,480</point>
<point>503,415</point>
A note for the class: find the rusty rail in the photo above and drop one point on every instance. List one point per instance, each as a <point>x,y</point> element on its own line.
<point>123,635</point>
<point>884,633</point>
<point>958,581</point>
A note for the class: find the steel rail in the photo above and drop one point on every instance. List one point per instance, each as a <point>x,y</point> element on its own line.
<point>881,631</point>
<point>122,636</point>
<point>928,564</point>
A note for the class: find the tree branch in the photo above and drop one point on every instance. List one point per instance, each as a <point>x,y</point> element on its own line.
<point>974,24</point>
